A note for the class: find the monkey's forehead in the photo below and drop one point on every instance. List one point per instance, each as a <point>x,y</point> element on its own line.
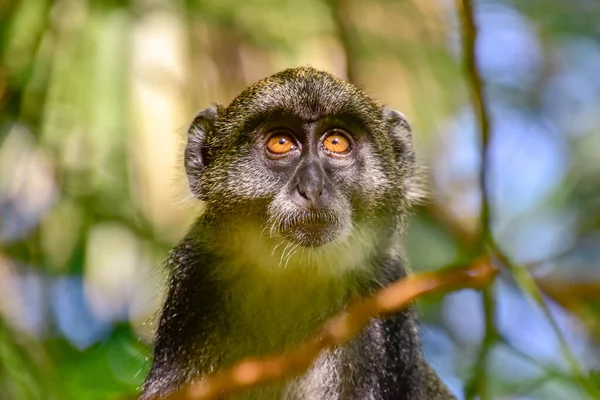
<point>303,92</point>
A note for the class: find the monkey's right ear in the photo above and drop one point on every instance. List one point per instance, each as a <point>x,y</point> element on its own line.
<point>195,157</point>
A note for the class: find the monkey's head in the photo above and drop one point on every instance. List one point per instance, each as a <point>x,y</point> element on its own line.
<point>309,155</point>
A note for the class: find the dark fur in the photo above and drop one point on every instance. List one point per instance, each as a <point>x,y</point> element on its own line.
<point>204,325</point>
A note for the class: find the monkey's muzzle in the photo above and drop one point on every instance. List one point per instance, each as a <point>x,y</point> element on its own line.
<point>311,228</point>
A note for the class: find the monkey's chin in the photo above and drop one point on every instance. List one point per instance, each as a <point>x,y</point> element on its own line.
<point>309,228</point>
<point>312,234</point>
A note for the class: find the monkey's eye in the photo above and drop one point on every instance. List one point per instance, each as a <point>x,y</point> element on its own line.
<point>337,143</point>
<point>280,143</point>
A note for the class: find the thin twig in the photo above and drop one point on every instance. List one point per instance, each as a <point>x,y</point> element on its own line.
<point>521,275</point>
<point>469,41</point>
<point>528,285</point>
<point>478,385</point>
<point>337,330</point>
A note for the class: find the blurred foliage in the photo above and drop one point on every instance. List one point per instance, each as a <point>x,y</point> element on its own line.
<point>95,97</point>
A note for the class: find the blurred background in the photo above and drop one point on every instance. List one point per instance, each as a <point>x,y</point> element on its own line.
<point>95,100</point>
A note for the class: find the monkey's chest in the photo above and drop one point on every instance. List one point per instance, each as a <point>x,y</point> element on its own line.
<point>269,318</point>
<point>267,322</point>
<point>268,312</point>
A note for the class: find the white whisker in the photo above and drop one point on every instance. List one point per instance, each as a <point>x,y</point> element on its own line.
<point>290,255</point>
<point>283,252</point>
<point>276,247</point>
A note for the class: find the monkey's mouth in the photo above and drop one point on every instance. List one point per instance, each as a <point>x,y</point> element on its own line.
<point>310,228</point>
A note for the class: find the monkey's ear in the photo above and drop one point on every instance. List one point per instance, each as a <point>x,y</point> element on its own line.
<point>401,136</point>
<point>195,159</point>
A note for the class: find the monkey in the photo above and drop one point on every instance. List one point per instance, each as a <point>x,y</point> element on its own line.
<point>307,182</point>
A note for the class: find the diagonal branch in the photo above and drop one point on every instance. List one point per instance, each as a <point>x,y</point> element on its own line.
<point>528,285</point>
<point>339,329</point>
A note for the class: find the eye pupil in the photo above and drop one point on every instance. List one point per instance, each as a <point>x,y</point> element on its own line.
<point>281,140</point>
<point>335,141</point>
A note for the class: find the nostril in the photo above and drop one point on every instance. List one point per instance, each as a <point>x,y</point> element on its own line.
<point>312,194</point>
<point>301,192</point>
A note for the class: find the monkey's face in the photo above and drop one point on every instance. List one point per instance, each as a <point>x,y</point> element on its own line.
<point>312,171</point>
<point>309,157</point>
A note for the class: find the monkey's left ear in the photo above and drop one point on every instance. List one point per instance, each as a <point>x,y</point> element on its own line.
<point>195,157</point>
<point>400,134</point>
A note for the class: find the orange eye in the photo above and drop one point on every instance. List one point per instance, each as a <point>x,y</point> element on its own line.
<point>280,144</point>
<point>337,143</point>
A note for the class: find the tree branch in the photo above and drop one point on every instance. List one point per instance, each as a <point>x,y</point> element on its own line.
<point>339,329</point>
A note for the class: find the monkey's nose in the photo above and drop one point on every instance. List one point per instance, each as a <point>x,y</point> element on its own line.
<point>310,196</point>
<point>310,189</point>
<point>311,193</point>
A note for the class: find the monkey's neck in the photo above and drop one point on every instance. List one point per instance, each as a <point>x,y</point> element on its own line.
<point>278,293</point>
<point>269,311</point>
<point>247,246</point>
